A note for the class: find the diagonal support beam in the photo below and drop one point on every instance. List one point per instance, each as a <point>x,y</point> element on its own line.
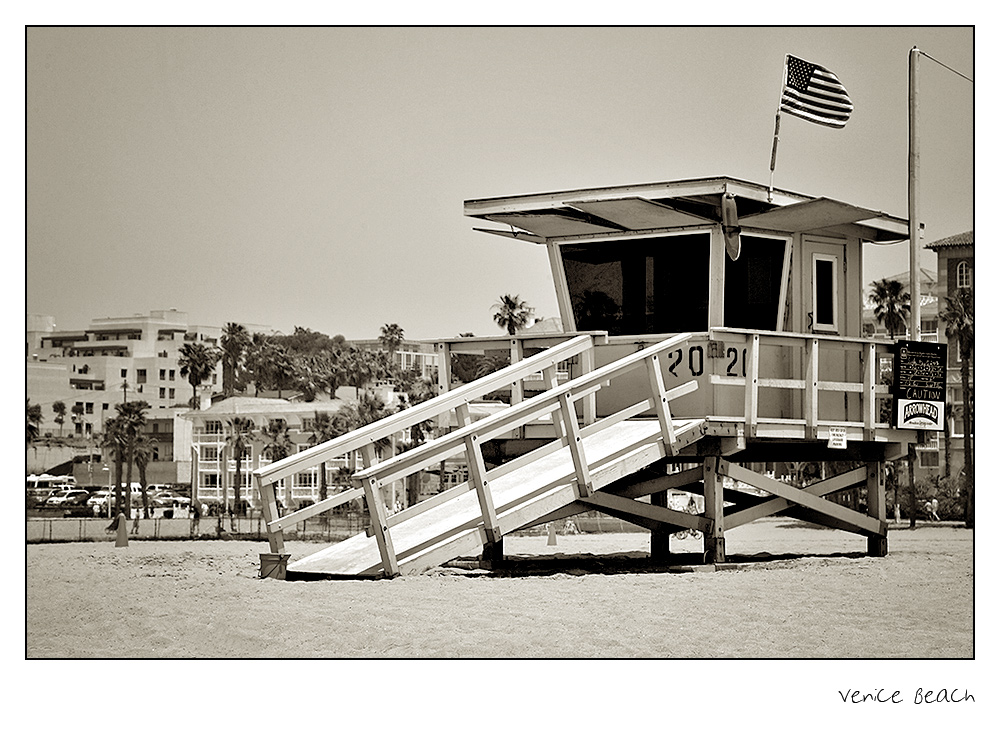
<point>646,510</point>
<point>861,523</point>
<point>764,508</point>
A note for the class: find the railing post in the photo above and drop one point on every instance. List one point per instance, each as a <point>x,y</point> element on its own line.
<point>269,509</point>
<point>658,397</point>
<point>752,388</point>
<point>589,402</point>
<point>380,526</point>
<point>516,355</point>
<point>575,443</point>
<point>444,381</point>
<point>552,383</point>
<point>811,397</point>
<point>477,474</point>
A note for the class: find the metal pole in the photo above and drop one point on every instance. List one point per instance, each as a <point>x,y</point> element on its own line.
<point>914,197</point>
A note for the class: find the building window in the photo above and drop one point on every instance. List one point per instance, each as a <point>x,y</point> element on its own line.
<point>824,293</point>
<point>163,374</point>
<point>140,376</point>
<point>964,275</point>
<point>124,372</point>
<point>163,392</point>
<point>209,453</point>
<point>171,393</point>
<point>213,427</point>
<point>927,459</point>
<point>171,374</point>
<point>89,408</point>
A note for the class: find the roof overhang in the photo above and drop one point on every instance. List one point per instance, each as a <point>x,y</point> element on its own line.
<point>679,204</point>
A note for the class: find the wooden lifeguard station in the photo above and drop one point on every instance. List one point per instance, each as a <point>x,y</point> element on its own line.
<point>710,327</point>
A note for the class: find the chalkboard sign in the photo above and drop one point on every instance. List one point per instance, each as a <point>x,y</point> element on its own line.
<point>918,385</point>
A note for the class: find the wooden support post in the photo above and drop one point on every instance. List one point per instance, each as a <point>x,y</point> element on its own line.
<point>585,486</point>
<point>811,398</point>
<point>752,388</point>
<point>869,404</point>
<point>878,544</point>
<point>659,540</point>
<point>658,397</point>
<point>715,541</point>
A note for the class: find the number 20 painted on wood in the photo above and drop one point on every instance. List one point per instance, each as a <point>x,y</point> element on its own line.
<point>696,361</point>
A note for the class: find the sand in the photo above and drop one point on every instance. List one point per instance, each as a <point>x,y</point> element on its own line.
<point>203,599</point>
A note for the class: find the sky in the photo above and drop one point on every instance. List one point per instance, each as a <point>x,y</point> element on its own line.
<point>315,177</point>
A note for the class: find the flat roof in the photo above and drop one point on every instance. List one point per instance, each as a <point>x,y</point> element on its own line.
<point>674,204</point>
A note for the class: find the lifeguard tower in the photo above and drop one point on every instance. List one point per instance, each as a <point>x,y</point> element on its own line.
<point>711,328</point>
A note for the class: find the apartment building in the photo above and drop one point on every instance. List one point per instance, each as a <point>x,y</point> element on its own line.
<point>956,270</point>
<point>115,359</point>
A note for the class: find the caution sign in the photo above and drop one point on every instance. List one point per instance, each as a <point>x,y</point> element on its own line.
<point>918,385</point>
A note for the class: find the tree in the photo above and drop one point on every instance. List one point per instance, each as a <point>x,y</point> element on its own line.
<point>278,443</point>
<point>131,421</point>
<point>391,338</point>
<point>113,441</point>
<point>241,431</point>
<point>235,340</point>
<point>892,306</point>
<point>959,322</point>
<point>59,409</point>
<point>197,361</point>
<point>142,453</point>
<point>325,428</point>
<point>511,313</point>
<point>34,419</point>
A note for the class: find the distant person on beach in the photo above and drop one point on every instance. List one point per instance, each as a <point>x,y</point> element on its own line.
<point>934,508</point>
<point>195,518</point>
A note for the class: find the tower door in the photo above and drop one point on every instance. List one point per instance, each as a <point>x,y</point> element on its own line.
<point>823,277</point>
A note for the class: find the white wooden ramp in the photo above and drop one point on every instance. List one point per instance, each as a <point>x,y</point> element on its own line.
<point>443,531</point>
<point>572,467</point>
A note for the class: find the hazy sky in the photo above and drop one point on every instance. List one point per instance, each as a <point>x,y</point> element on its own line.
<point>315,177</point>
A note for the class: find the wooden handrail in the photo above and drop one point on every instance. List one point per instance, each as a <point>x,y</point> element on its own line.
<point>502,421</point>
<point>429,409</point>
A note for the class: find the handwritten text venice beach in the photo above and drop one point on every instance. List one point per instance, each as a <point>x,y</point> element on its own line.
<point>921,696</point>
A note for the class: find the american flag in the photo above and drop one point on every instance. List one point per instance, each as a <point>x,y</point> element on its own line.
<point>814,93</point>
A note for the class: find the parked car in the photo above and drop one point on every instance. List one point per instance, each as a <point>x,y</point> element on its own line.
<point>70,496</point>
<point>168,499</point>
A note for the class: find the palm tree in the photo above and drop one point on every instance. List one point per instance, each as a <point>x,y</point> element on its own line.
<point>59,409</point>
<point>34,419</point>
<point>325,428</point>
<point>132,418</point>
<point>511,313</point>
<point>391,338</point>
<point>892,306</point>
<point>142,453</point>
<point>959,319</point>
<point>278,443</point>
<point>235,340</point>
<point>197,361</point>
<point>241,430</point>
<point>113,441</point>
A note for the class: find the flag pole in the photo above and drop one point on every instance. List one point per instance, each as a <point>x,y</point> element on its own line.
<point>913,196</point>
<point>777,126</point>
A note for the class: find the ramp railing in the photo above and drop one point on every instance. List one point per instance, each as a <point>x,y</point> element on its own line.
<point>558,402</point>
<point>365,438</point>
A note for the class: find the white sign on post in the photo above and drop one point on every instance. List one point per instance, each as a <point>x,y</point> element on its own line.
<point>838,437</point>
